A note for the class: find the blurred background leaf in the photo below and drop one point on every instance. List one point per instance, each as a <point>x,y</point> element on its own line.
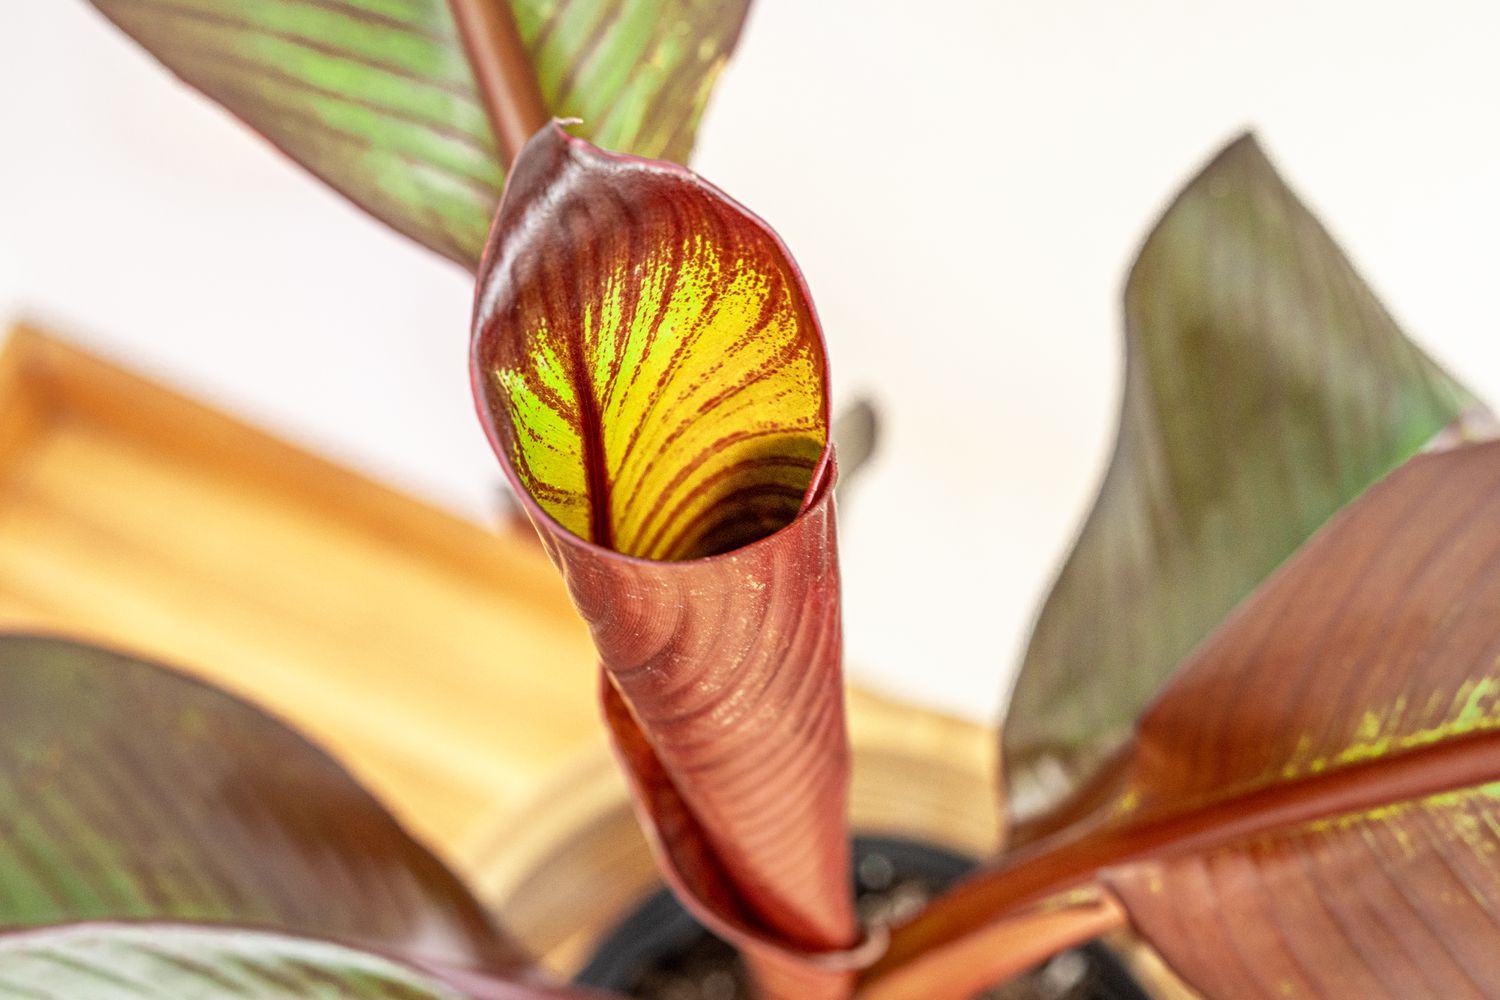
<point>376,97</point>
<point>1265,387</point>
<point>129,791</point>
<point>177,962</point>
<point>163,961</point>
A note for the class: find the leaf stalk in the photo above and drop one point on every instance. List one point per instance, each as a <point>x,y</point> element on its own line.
<point>503,72</point>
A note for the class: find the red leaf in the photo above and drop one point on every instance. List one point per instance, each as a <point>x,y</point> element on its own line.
<point>1312,807</point>
<point>651,375</point>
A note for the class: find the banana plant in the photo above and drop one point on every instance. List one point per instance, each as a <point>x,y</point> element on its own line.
<point>1258,723</point>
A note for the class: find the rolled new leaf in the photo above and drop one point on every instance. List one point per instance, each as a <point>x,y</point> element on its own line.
<point>1265,387</point>
<point>650,371</point>
<point>1311,809</point>
<point>378,99</point>
<point>129,791</point>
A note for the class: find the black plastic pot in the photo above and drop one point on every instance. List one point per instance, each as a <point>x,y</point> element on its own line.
<point>659,952</point>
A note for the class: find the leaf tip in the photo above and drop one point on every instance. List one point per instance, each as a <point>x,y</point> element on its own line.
<point>1246,143</point>
<point>1228,177</point>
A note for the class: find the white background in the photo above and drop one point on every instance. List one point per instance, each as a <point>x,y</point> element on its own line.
<point>964,183</point>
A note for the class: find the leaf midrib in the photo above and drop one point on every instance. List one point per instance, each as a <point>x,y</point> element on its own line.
<point>591,443</point>
<point>1067,861</point>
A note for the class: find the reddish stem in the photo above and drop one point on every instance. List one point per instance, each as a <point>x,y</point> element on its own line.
<point>502,69</point>
<point>997,951</point>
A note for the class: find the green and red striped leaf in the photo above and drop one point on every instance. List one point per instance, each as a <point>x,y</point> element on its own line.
<point>128,791</point>
<point>1265,388</point>
<point>651,374</point>
<point>1312,808</point>
<point>377,98</point>
<point>163,961</point>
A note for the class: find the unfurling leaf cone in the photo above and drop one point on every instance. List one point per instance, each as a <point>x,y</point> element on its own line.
<point>650,371</point>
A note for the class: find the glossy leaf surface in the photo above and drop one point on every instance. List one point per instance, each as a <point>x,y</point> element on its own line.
<point>653,379</point>
<point>187,962</point>
<point>1265,388</point>
<point>128,791</point>
<point>1379,645</point>
<point>1312,807</point>
<point>377,98</point>
<point>649,359</point>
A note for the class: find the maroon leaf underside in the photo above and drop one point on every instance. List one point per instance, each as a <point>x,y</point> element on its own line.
<point>1373,663</point>
<point>1312,807</point>
<point>756,778</point>
<point>761,775</point>
<point>721,683</point>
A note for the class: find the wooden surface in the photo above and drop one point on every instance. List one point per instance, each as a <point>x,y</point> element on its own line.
<point>440,661</point>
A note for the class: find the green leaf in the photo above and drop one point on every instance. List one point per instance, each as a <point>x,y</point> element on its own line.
<point>1265,388</point>
<point>128,791</point>
<point>167,962</point>
<point>376,97</point>
<point>164,961</point>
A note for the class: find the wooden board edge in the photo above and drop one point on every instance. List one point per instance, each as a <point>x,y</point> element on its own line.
<point>27,390</point>
<point>54,380</point>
